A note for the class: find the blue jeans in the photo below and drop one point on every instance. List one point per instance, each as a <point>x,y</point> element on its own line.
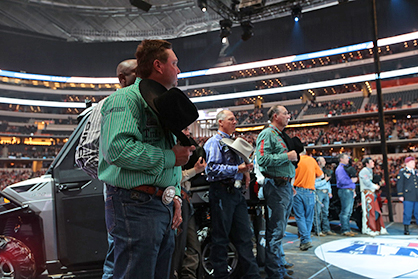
<point>109,260</point>
<point>408,208</point>
<point>140,225</point>
<point>347,201</point>
<point>229,217</point>
<point>321,211</point>
<point>303,207</point>
<point>278,198</point>
<point>282,258</point>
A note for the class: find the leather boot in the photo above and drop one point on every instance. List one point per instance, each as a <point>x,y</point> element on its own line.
<point>406,229</point>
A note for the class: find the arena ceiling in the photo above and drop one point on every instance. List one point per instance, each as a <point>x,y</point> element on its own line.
<point>118,20</point>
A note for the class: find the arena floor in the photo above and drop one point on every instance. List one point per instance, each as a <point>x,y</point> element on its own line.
<point>388,256</point>
<point>337,257</point>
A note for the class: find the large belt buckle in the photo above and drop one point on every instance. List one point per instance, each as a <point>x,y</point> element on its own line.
<point>168,195</point>
<point>325,191</point>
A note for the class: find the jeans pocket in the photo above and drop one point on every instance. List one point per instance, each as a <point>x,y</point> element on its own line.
<point>110,214</point>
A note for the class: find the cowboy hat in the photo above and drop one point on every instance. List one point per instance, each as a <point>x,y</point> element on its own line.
<point>241,147</point>
<point>172,107</point>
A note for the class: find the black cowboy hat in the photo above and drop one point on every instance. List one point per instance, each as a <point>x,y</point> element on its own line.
<point>172,107</point>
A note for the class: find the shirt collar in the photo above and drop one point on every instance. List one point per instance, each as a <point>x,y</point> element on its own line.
<point>275,128</point>
<point>223,134</point>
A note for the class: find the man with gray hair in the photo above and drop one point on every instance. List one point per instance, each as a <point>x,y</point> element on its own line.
<point>275,158</point>
<point>229,214</point>
<point>323,195</point>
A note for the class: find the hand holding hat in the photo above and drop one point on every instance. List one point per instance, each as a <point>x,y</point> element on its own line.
<point>241,147</point>
<point>172,107</point>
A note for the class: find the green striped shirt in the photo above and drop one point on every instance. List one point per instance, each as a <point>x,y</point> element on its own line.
<point>271,153</point>
<point>133,147</point>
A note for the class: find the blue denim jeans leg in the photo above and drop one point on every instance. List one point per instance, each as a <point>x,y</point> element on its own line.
<point>278,197</point>
<point>229,217</point>
<point>347,200</point>
<point>140,225</point>
<point>409,208</point>
<point>303,207</point>
<point>109,260</point>
<point>322,208</point>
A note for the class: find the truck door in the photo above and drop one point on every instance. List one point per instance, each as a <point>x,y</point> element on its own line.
<point>79,211</point>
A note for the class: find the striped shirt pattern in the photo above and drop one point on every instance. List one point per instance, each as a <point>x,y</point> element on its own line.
<point>271,154</point>
<point>134,148</point>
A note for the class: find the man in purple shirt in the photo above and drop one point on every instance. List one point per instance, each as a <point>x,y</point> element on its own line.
<point>346,191</point>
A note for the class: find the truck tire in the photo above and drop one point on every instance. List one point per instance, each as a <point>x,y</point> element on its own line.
<point>16,259</point>
<point>233,264</point>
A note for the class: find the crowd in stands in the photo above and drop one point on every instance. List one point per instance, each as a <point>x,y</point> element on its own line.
<point>407,129</point>
<point>390,104</point>
<point>29,151</point>
<point>335,107</point>
<point>12,129</point>
<point>11,176</point>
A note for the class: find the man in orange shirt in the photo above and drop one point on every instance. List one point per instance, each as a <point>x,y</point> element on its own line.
<point>304,201</point>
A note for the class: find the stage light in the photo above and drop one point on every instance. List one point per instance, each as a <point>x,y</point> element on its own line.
<point>226,25</point>
<point>203,5</point>
<point>247,30</point>
<point>142,5</point>
<point>297,13</point>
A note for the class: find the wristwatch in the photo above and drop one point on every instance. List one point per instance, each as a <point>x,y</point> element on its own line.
<point>179,199</point>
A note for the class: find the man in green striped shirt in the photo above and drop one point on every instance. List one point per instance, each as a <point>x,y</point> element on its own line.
<point>138,159</point>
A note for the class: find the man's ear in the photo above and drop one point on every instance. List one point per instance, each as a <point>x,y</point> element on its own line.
<point>157,66</point>
<point>122,79</point>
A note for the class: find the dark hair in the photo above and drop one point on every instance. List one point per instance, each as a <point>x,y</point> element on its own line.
<point>147,52</point>
<point>365,161</point>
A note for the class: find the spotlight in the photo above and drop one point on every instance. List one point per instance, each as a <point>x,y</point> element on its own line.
<point>226,25</point>
<point>247,30</point>
<point>296,13</point>
<point>142,5</point>
<point>203,5</point>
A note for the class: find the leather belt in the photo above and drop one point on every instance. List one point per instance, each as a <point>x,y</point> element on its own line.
<point>288,179</point>
<point>148,189</point>
<point>323,190</point>
<point>185,195</point>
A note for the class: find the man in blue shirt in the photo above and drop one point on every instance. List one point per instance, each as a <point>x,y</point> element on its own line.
<point>346,192</point>
<point>229,214</point>
<point>323,194</point>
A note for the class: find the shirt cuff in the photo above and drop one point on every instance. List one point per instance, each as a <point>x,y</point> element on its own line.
<point>170,159</point>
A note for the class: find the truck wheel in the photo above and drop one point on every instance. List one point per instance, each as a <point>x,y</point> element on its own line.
<point>16,259</point>
<point>233,266</point>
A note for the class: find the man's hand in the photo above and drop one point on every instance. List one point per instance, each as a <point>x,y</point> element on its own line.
<point>200,165</point>
<point>177,220</point>
<point>244,167</point>
<point>330,195</point>
<point>294,191</point>
<point>401,199</point>
<point>182,153</point>
<point>292,155</point>
<point>354,179</point>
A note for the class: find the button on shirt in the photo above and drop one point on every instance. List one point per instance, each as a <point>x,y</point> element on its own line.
<point>134,148</point>
<point>322,184</point>
<point>222,162</point>
<point>271,153</point>
<point>343,179</point>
